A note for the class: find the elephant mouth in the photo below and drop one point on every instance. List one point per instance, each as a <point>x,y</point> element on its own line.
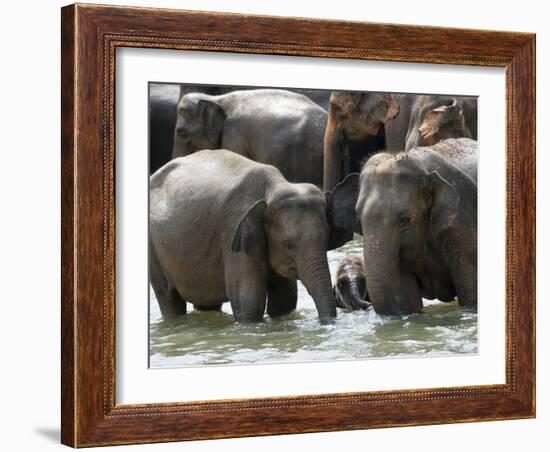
<point>289,272</point>
<point>293,272</point>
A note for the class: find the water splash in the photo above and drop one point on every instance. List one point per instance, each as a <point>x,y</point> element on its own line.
<point>200,338</point>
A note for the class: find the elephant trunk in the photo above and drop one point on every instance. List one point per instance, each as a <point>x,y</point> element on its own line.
<point>357,300</point>
<point>332,153</point>
<point>314,274</point>
<point>392,290</point>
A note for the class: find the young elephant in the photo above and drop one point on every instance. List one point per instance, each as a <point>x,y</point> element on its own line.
<point>225,228</point>
<point>350,288</point>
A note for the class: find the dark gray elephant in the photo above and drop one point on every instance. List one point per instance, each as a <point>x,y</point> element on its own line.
<point>436,118</point>
<point>277,127</point>
<point>163,107</point>
<point>418,216</point>
<point>350,287</point>
<point>225,228</point>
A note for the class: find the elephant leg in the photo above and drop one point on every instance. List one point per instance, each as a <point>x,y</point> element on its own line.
<point>467,297</point>
<point>282,297</point>
<point>170,302</point>
<point>246,287</point>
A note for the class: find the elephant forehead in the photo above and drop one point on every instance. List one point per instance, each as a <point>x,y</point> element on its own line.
<point>190,100</point>
<point>400,170</point>
<point>351,265</point>
<point>297,203</point>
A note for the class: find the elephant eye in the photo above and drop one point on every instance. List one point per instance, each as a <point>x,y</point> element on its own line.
<point>404,221</point>
<point>289,245</point>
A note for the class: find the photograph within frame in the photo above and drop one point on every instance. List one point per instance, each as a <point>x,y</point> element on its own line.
<point>92,412</point>
<point>447,124</point>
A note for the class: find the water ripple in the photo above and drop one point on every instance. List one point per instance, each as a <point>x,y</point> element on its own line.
<point>201,338</point>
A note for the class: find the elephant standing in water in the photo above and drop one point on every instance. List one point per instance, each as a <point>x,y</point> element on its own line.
<point>350,288</point>
<point>355,130</point>
<point>272,126</point>
<point>418,214</point>
<point>225,228</point>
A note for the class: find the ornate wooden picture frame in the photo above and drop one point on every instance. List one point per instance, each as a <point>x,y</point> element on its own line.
<point>90,37</point>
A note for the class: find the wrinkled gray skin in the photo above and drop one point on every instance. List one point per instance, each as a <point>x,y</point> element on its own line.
<point>277,127</point>
<point>418,214</point>
<point>350,288</point>
<point>225,228</point>
<point>437,118</point>
<point>461,152</point>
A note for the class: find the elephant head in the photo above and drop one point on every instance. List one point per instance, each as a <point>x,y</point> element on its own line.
<point>199,124</point>
<point>291,225</point>
<point>353,117</point>
<point>435,119</point>
<point>405,211</point>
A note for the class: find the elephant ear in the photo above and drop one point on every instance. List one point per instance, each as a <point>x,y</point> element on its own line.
<point>449,112</point>
<point>250,233</point>
<point>213,117</point>
<point>342,219</point>
<point>449,108</point>
<point>445,204</point>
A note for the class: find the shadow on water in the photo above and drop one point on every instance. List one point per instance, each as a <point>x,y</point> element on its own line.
<point>200,338</point>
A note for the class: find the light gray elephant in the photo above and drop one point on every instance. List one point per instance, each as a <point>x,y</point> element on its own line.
<point>272,126</point>
<point>225,228</point>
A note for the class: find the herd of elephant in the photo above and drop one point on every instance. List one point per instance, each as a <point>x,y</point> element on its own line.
<point>250,188</point>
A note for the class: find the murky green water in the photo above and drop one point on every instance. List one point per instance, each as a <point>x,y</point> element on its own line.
<point>214,338</point>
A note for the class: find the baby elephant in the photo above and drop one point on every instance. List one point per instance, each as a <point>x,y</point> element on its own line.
<point>350,288</point>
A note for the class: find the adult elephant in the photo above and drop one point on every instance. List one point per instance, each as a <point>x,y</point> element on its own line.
<point>272,126</point>
<point>225,228</point>
<point>436,118</point>
<point>418,217</point>
<point>355,131</point>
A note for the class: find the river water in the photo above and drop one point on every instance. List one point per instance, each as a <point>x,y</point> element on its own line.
<point>200,338</point>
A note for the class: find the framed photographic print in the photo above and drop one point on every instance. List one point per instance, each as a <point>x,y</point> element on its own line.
<point>281,225</point>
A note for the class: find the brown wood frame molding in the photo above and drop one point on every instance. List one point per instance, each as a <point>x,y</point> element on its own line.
<point>90,35</point>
